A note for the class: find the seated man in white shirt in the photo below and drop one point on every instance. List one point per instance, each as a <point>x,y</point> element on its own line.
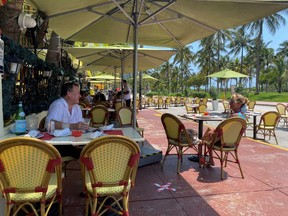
<point>66,113</point>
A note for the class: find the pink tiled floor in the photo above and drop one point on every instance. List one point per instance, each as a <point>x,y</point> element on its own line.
<point>199,191</point>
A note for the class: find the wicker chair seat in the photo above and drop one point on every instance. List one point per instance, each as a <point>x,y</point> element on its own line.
<point>35,197</point>
<point>107,191</point>
<point>175,143</point>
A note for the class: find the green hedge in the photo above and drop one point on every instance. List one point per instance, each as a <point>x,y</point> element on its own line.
<point>200,94</point>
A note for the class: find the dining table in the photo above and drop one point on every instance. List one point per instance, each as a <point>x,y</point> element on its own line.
<point>148,155</point>
<point>254,114</point>
<point>200,119</point>
<point>84,139</point>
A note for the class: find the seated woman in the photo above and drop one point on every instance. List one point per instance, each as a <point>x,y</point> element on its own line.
<point>83,99</point>
<point>117,98</point>
<point>102,101</point>
<point>238,105</point>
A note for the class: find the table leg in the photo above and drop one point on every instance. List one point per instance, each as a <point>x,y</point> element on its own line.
<point>200,153</point>
<point>254,127</point>
<point>200,129</point>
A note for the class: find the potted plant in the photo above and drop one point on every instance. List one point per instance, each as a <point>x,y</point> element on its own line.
<point>214,95</point>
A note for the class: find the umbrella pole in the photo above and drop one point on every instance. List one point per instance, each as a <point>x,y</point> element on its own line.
<point>115,70</point>
<point>140,90</point>
<point>135,61</point>
<point>122,74</point>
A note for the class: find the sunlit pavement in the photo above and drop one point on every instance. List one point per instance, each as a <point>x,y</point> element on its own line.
<point>200,191</point>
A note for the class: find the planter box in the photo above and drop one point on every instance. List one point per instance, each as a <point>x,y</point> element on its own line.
<point>215,105</point>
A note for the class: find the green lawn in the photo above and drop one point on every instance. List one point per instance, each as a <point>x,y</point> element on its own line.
<point>270,96</point>
<point>265,96</point>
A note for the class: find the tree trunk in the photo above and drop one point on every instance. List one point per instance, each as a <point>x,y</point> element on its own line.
<point>54,50</point>
<point>9,20</point>
<point>258,50</point>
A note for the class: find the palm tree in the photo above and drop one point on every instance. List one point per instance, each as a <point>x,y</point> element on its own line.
<point>183,57</point>
<point>241,41</point>
<point>280,66</point>
<point>219,39</point>
<point>206,57</point>
<point>283,49</point>
<point>273,22</point>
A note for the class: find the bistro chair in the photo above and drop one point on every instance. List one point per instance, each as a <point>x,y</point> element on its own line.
<point>226,106</point>
<point>118,105</point>
<point>202,108</point>
<point>251,105</point>
<point>109,165</point>
<point>125,118</point>
<point>41,126</point>
<point>204,101</point>
<point>282,110</point>
<point>225,141</point>
<point>160,103</point>
<point>197,101</point>
<point>99,116</point>
<point>66,159</point>
<point>102,103</point>
<point>82,105</point>
<point>167,102</point>
<point>30,173</point>
<point>189,108</point>
<point>177,138</point>
<point>267,124</point>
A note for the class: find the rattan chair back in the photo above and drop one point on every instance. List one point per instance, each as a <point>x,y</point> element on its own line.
<point>41,126</point>
<point>109,165</point>
<point>281,108</point>
<point>202,108</point>
<point>269,120</point>
<point>125,116</point>
<point>251,105</point>
<point>30,172</point>
<point>99,116</point>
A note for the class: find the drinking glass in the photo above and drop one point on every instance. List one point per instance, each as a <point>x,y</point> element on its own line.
<point>87,121</point>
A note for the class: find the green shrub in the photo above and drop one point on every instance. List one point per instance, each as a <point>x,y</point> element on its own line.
<point>176,94</point>
<point>150,94</point>
<point>213,93</point>
<point>199,94</point>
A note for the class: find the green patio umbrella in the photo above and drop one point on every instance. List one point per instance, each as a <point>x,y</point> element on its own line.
<point>226,74</point>
<point>148,77</point>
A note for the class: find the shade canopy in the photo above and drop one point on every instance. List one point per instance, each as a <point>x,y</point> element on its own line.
<point>168,23</point>
<point>104,77</point>
<point>226,74</point>
<point>113,57</point>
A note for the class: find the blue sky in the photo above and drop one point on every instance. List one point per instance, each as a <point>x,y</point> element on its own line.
<point>280,36</point>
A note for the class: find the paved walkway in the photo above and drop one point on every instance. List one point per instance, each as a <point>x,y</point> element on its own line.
<point>199,191</point>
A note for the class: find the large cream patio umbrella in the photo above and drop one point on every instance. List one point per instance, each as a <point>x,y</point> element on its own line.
<point>118,56</point>
<point>114,57</point>
<point>168,23</point>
